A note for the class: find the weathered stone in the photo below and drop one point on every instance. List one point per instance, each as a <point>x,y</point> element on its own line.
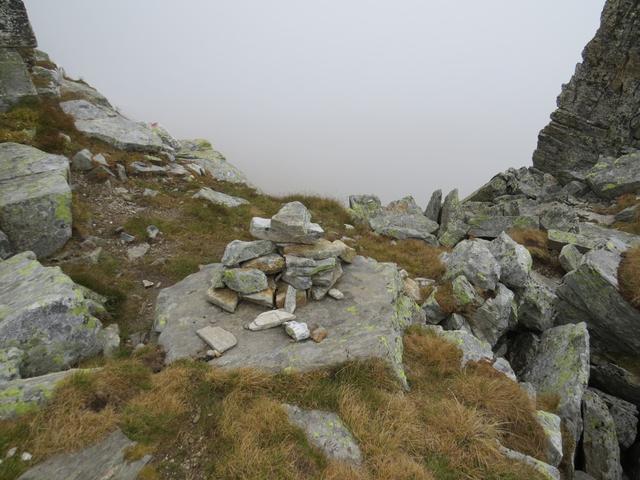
<point>152,232</point>
<point>21,396</point>
<point>141,168</point>
<point>495,317</point>
<point>514,259</point>
<point>290,299</point>
<point>336,294</point>
<point>625,418</point>
<point>524,182</point>
<point>45,314</point>
<point>434,312</point>
<point>434,207</point>
<point>245,280</point>
<point>265,297</point>
<point>299,331</point>
<point>224,298</point>
<point>270,319</point>
<point>261,228</point>
<point>570,257</point>
<point>238,251</point>
<point>80,90</point>
<point>10,360</point>
<point>628,215</point>
<point>110,339</point>
<point>16,29</point>
<point>597,109</point>
<point>557,216</point>
<point>474,260</point>
<point>325,431</point>
<point>615,380</point>
<point>293,220</point>
<point>492,227</point>
<point>452,226</point>
<point>473,349</point>
<point>306,267</point>
<point>368,323</point>
<point>403,219</point>
<point>269,264</point>
<point>321,250</point>
<point>550,424</point>
<point>599,443</point>
<point>464,293</point>
<point>364,207</point>
<point>548,472</point>
<point>103,123</point>
<point>456,322</point>
<point>536,305</point>
<point>107,459</point>
<point>324,282</point>
<point>138,251</point>
<point>214,163</point>
<point>218,339</point>
<point>590,293</point>
<point>522,349</point>
<point>218,198</point>
<point>411,289</point>
<point>503,366</point>
<point>83,161</point>
<point>15,81</point>
<point>561,367</point>
<point>35,199</point>
<point>612,177</point>
<point>298,282</point>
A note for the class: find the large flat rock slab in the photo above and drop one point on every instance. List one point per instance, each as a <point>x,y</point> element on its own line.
<point>367,323</point>
<point>15,81</point>
<point>105,460</point>
<point>45,314</point>
<point>35,199</point>
<point>103,123</point>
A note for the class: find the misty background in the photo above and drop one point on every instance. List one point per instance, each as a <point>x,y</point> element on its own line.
<point>333,97</point>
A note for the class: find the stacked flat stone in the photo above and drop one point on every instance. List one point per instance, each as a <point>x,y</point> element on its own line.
<point>287,265</point>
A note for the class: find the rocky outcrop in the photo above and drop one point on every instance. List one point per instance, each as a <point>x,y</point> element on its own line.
<point>600,442</point>
<point>213,162</point>
<point>404,219</point>
<point>612,177</point>
<point>35,199</point>
<point>15,81</point>
<point>105,460</point>
<point>45,314</point>
<point>15,31</point>
<point>598,109</point>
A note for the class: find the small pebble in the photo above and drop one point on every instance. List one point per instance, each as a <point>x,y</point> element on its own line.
<point>319,334</point>
<point>26,457</point>
<point>336,294</point>
<point>147,284</point>
<point>11,452</point>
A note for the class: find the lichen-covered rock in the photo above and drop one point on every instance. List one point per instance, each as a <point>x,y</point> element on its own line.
<point>224,298</point>
<point>550,424</point>
<point>15,81</point>
<point>495,317</point>
<point>239,251</point>
<point>547,471</point>
<point>45,314</point>
<point>557,216</point>
<point>107,459</point>
<point>367,323</point>
<point>597,109</point>
<point>215,164</point>
<point>570,257</point>
<point>270,264</point>
<point>474,260</point>
<point>590,293</point>
<point>612,177</point>
<point>473,349</point>
<point>561,367</point>
<point>625,418</point>
<point>614,380</point>
<point>321,250</point>
<point>404,219</point>
<point>433,311</point>
<point>464,294</point>
<point>21,396</point>
<point>10,360</point>
<point>434,207</point>
<point>327,432</point>
<point>536,305</point>
<point>245,280</point>
<point>6,250</point>
<point>364,207</point>
<point>526,182</point>
<point>219,198</point>
<point>599,442</point>
<point>35,199</point>
<point>514,259</point>
<point>452,225</point>
<point>261,228</point>
<point>103,123</point>
<point>16,29</point>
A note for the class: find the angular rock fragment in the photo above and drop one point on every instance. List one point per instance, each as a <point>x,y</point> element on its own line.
<point>364,207</point>
<point>550,423</point>
<point>452,225</point>
<point>201,152</point>
<point>16,29</point>
<point>536,305</point>
<point>238,251</point>
<point>612,177</point>
<point>269,264</point>
<point>218,339</point>
<point>495,317</point>
<point>15,81</point>
<point>600,442</point>
<point>475,261</point>
<point>219,198</point>
<point>570,257</point>
<point>434,207</point>
<point>6,250</point>
<point>245,280</point>
<point>270,319</point>
<point>514,259</point>
<point>261,228</point>
<point>547,471</point>
<point>403,219</point>
<point>224,298</point>
<point>625,418</point>
<point>299,331</point>
<point>464,293</point>
<point>265,297</point>
<point>472,348</point>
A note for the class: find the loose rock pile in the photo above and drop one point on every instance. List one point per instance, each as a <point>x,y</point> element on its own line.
<point>287,266</point>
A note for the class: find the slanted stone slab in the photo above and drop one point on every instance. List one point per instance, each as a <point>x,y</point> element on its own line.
<point>213,162</point>
<point>103,123</point>
<point>21,396</point>
<point>219,198</point>
<point>548,472</point>
<point>45,314</point>
<point>217,338</point>
<point>16,29</point>
<point>102,461</point>
<point>270,319</point>
<point>239,251</point>
<point>325,431</point>
<point>367,323</point>
<point>261,228</point>
<point>599,442</point>
<point>15,81</point>
<point>35,199</point>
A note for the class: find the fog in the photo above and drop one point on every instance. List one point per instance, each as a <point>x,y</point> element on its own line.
<point>333,97</point>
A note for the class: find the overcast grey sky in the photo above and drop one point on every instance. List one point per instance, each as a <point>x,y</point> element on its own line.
<point>336,96</point>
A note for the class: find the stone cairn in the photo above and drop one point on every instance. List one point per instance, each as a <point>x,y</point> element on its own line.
<point>288,265</point>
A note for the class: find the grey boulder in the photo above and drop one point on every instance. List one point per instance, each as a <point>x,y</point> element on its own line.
<point>15,81</point>
<point>536,305</point>
<point>493,226</point>
<point>612,177</point>
<point>35,199</point>
<point>245,280</point>
<point>495,317</point>
<point>213,162</point>
<point>240,251</point>
<point>474,260</point>
<point>404,219</point>
<point>434,207</point>
<point>364,207</point>
<point>514,259</point>
<point>625,418</point>
<point>452,226</point>
<point>219,198</point>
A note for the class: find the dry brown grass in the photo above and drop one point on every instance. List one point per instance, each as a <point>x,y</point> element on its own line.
<point>537,242</point>
<point>208,423</point>
<point>549,402</point>
<point>415,256</point>
<point>629,276</point>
